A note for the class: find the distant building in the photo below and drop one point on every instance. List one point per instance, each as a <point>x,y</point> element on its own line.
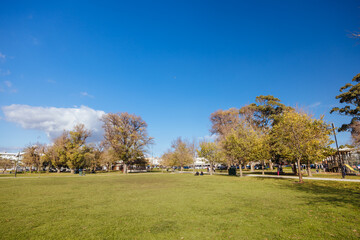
<point>154,161</point>
<point>12,156</point>
<point>201,163</point>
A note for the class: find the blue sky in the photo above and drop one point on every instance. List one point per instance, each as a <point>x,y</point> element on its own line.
<point>172,63</point>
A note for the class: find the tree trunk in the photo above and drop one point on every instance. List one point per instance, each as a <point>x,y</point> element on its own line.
<point>293,167</point>
<point>252,166</point>
<point>58,170</point>
<point>240,167</point>
<point>299,170</point>
<point>308,169</point>
<point>181,168</point>
<point>211,169</point>
<point>271,165</point>
<point>125,169</point>
<point>71,171</point>
<point>263,167</point>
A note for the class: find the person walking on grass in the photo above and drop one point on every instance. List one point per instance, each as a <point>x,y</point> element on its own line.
<point>343,168</point>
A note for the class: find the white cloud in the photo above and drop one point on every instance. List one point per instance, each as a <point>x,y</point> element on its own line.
<point>54,120</point>
<point>85,94</point>
<point>314,105</point>
<point>2,57</point>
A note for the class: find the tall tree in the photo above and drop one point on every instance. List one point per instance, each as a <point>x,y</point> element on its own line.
<point>210,152</point>
<point>107,159</point>
<point>5,164</point>
<point>94,156</point>
<point>76,148</point>
<point>264,114</point>
<point>238,144</point>
<point>265,111</point>
<point>260,148</point>
<point>181,154</point>
<point>299,137</point>
<point>127,135</point>
<point>31,157</point>
<point>222,121</point>
<point>356,133</point>
<point>167,159</point>
<point>350,95</point>
<point>57,152</point>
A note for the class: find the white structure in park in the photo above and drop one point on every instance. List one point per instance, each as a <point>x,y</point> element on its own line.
<point>12,156</point>
<point>198,163</point>
<point>155,161</point>
<point>18,157</point>
<point>201,163</point>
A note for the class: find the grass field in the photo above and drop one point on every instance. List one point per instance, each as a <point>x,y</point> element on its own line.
<point>177,206</point>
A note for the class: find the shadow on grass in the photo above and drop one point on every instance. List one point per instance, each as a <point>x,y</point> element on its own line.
<point>328,193</point>
<point>320,192</point>
<point>274,173</point>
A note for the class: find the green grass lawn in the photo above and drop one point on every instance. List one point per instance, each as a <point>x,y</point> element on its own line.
<point>177,206</point>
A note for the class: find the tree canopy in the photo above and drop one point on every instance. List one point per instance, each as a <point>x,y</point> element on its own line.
<point>210,152</point>
<point>265,110</point>
<point>181,153</point>
<point>222,121</point>
<point>238,144</point>
<point>127,135</point>
<point>350,96</point>
<point>299,137</point>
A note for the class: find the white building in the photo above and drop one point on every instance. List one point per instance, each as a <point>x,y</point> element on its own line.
<point>201,163</point>
<point>155,161</point>
<point>12,156</point>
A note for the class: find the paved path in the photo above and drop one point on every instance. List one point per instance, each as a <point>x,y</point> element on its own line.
<point>305,178</point>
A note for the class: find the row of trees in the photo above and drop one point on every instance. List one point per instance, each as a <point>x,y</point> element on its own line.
<point>266,130</point>
<point>125,140</point>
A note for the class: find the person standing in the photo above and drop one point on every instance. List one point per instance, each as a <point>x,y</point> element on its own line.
<point>343,168</point>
